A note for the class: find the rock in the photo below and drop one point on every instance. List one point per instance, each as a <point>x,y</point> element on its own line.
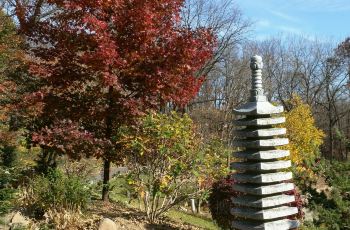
<point>309,215</point>
<point>7,218</point>
<point>5,221</point>
<point>107,224</point>
<point>19,220</point>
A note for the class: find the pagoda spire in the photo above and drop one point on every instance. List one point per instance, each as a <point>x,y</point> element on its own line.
<point>257,91</point>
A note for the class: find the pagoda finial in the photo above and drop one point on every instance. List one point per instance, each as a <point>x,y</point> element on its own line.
<point>257,91</point>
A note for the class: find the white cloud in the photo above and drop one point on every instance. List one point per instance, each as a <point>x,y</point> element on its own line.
<point>284,16</point>
<point>263,23</point>
<point>317,5</point>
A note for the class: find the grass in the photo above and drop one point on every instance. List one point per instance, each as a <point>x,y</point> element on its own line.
<point>2,221</point>
<point>201,222</point>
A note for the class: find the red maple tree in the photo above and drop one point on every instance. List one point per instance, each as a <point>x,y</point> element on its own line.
<point>103,63</point>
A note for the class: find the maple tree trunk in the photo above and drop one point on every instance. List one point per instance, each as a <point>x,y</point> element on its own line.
<point>107,162</point>
<point>106,176</point>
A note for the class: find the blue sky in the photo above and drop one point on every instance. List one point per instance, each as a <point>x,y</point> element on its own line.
<point>321,19</point>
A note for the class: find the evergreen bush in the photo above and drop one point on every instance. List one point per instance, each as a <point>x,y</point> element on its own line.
<point>55,191</point>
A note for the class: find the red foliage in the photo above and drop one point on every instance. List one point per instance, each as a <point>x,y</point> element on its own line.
<point>297,203</point>
<point>103,63</point>
<point>220,202</point>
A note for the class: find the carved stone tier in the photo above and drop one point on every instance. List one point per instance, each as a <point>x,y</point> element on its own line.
<point>261,175</point>
<point>263,225</point>
<point>260,166</point>
<point>265,202</point>
<point>260,132</point>
<point>262,178</point>
<point>261,143</point>
<point>260,121</point>
<point>263,189</point>
<point>264,214</point>
<point>261,155</point>
<point>258,108</point>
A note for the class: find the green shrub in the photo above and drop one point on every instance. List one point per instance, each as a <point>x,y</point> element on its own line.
<point>8,155</point>
<point>55,191</point>
<point>162,154</point>
<point>333,208</point>
<point>6,191</point>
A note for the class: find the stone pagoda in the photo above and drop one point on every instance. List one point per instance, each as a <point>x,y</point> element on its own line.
<point>261,175</point>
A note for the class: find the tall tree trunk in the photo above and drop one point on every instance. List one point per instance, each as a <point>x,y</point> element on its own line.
<point>330,133</point>
<point>106,176</point>
<point>107,162</point>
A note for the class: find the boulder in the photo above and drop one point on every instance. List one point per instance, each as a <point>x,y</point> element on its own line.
<point>5,221</point>
<point>107,224</point>
<point>19,220</point>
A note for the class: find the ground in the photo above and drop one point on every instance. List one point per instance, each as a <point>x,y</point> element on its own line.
<point>129,218</point>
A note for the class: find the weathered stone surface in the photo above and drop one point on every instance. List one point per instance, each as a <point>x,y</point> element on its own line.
<point>262,178</point>
<point>259,176</point>
<point>272,225</point>
<point>258,108</point>
<point>6,221</point>
<point>263,189</point>
<point>260,166</point>
<point>19,220</point>
<point>107,224</point>
<point>261,155</point>
<point>260,132</point>
<point>260,121</point>
<point>265,214</point>
<point>262,202</point>
<point>261,143</point>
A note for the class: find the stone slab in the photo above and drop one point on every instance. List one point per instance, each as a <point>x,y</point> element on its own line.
<point>284,224</point>
<point>253,189</point>
<point>258,108</point>
<point>265,214</point>
<point>261,155</point>
<point>261,132</point>
<point>261,143</point>
<point>262,178</point>
<point>260,121</point>
<point>260,166</point>
<point>265,202</point>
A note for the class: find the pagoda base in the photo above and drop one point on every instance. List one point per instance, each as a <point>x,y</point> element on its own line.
<point>284,224</point>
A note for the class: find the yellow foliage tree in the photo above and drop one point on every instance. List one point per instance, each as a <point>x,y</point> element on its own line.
<point>305,138</point>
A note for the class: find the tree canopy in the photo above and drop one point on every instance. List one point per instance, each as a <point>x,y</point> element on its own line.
<point>101,64</point>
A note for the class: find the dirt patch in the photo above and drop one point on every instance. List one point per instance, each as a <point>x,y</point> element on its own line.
<point>131,219</point>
